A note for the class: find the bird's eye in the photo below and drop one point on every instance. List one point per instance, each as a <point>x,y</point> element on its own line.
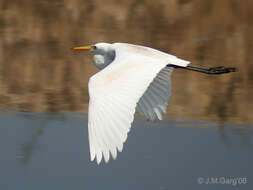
<point>94,47</point>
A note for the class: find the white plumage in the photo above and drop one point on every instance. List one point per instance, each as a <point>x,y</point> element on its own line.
<point>131,78</point>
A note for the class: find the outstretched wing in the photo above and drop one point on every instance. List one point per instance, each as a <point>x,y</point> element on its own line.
<point>155,100</point>
<point>114,93</point>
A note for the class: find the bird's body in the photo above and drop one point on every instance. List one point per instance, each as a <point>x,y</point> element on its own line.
<point>132,78</point>
<point>104,57</point>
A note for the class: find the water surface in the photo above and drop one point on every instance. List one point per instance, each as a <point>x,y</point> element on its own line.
<point>50,151</point>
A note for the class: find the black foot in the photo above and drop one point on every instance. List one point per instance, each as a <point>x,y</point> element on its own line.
<point>221,70</point>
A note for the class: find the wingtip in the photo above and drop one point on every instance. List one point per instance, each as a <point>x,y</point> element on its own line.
<point>107,160</point>
<point>120,148</point>
<point>92,154</point>
<point>114,157</point>
<point>114,153</point>
<point>98,161</point>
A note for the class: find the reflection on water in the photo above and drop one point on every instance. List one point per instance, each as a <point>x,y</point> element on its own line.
<point>28,147</point>
<point>39,72</point>
<point>50,151</point>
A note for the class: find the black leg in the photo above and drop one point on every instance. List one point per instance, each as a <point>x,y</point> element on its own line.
<point>212,70</point>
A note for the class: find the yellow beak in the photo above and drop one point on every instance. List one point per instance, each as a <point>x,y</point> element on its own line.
<point>83,48</point>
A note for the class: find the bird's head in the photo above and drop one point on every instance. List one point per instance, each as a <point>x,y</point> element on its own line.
<point>98,48</point>
<point>104,53</point>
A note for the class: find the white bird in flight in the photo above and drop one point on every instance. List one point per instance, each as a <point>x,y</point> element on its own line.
<point>132,78</point>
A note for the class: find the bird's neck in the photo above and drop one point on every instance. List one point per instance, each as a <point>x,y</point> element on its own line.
<point>102,60</point>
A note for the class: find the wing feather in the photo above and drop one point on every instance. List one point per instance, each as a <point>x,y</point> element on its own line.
<point>114,93</point>
<point>156,97</point>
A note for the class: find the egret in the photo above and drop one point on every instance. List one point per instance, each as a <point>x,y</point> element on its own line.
<point>132,78</point>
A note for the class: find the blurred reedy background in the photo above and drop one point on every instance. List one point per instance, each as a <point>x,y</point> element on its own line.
<point>39,72</point>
